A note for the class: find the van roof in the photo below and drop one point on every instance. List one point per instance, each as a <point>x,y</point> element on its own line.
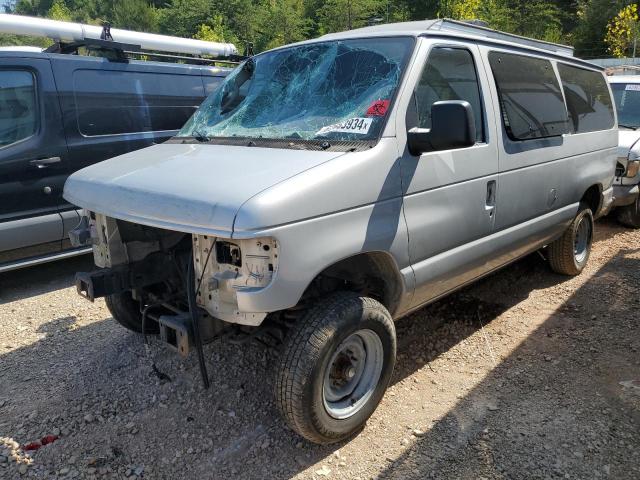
<point>453,28</point>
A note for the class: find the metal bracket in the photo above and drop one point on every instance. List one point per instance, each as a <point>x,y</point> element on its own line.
<point>175,330</point>
<point>109,281</point>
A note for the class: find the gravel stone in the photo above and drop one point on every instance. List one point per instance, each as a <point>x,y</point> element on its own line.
<point>74,372</point>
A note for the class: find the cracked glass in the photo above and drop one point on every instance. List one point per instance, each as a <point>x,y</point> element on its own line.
<point>337,90</point>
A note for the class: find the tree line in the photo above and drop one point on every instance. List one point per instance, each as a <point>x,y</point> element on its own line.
<point>591,26</point>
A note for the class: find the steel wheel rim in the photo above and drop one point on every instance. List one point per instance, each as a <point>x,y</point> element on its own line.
<point>352,374</point>
<point>581,242</point>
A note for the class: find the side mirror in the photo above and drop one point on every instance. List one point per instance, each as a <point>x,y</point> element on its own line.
<point>452,126</point>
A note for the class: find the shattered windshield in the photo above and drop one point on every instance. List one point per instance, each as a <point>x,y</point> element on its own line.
<point>335,90</point>
<point>627,98</point>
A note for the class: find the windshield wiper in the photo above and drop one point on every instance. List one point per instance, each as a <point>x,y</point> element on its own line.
<point>201,137</point>
<point>630,127</point>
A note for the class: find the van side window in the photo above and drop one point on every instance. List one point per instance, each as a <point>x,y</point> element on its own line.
<point>115,102</point>
<point>531,101</point>
<point>588,99</point>
<point>18,107</point>
<point>450,74</point>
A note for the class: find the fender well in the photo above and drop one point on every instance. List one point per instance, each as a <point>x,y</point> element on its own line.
<point>373,274</point>
<point>593,197</point>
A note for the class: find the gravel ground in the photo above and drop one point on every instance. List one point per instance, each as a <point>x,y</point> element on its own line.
<point>526,374</point>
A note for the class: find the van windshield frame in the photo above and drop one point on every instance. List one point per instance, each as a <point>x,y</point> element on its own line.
<point>334,94</point>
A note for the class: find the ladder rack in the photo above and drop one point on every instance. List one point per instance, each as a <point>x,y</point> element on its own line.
<point>69,36</point>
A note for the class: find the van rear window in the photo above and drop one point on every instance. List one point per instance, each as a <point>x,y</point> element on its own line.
<point>588,99</point>
<point>530,97</point>
<point>116,102</point>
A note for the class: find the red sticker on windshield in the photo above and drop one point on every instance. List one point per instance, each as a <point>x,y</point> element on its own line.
<point>378,108</point>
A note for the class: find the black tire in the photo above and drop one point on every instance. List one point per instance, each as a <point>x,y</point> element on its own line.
<point>629,215</point>
<point>126,311</point>
<point>306,362</point>
<point>563,255</point>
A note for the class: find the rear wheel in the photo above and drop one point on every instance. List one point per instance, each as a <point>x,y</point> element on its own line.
<point>569,254</point>
<point>335,367</point>
<point>629,215</point>
<point>126,311</point>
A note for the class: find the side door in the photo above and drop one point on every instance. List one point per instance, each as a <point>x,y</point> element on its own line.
<point>33,159</point>
<point>449,196</point>
<point>535,151</point>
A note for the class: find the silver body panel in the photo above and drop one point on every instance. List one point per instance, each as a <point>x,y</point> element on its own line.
<point>429,215</point>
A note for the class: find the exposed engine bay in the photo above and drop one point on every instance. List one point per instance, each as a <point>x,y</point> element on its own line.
<point>140,258</point>
<point>176,277</point>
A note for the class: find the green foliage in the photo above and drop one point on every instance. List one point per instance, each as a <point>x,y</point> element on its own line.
<point>623,31</point>
<point>59,11</point>
<point>183,17</point>
<point>210,34</point>
<point>270,23</point>
<point>134,15</point>
<point>337,15</point>
<point>594,16</point>
<point>283,22</point>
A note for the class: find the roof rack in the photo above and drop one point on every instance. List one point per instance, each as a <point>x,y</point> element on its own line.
<point>473,28</point>
<point>476,28</point>
<point>69,37</point>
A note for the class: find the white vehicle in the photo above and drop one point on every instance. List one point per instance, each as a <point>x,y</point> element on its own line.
<point>626,94</point>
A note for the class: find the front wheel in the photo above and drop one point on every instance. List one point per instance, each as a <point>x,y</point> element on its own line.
<point>569,254</point>
<point>126,311</point>
<point>335,367</point>
<point>629,215</point>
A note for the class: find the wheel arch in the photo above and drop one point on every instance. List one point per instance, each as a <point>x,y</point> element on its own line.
<point>593,198</point>
<point>374,274</point>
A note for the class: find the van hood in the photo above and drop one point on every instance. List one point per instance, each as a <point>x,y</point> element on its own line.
<point>193,188</point>
<point>628,142</point>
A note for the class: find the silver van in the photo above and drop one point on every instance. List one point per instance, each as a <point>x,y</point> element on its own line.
<point>329,187</point>
<point>626,192</point>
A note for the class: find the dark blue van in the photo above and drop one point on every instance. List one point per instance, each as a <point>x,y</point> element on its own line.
<point>62,112</point>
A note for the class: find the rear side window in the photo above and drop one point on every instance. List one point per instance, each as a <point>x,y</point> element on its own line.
<point>588,99</point>
<point>450,74</point>
<point>18,108</point>
<point>531,101</point>
<point>115,102</point>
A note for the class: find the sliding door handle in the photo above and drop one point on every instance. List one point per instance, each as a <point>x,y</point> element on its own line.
<point>491,193</point>
<point>45,162</point>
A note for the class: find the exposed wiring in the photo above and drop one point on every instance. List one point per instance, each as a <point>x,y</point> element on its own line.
<point>154,368</point>
<point>192,294</point>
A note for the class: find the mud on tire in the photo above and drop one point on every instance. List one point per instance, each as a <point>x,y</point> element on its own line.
<point>345,343</point>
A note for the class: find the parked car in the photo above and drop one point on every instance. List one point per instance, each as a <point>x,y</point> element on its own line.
<point>330,187</point>
<point>626,94</point>
<point>62,112</point>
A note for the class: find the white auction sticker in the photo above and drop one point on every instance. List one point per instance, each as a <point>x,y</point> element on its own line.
<point>633,86</point>
<point>353,125</point>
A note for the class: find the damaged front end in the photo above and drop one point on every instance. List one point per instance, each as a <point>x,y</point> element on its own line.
<point>161,268</point>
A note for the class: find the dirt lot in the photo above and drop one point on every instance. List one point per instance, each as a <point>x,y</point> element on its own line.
<point>524,375</point>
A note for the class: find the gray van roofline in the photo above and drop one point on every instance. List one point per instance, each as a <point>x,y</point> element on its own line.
<point>456,28</point>
<point>446,28</point>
